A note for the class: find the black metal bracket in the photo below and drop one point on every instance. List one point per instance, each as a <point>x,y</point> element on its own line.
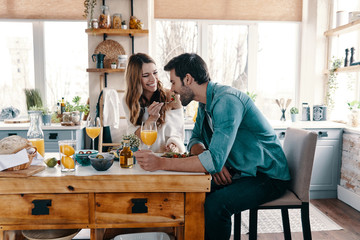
<point>41,207</point>
<point>105,79</point>
<point>139,205</point>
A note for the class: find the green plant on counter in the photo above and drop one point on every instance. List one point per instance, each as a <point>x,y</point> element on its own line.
<point>353,105</point>
<point>134,140</point>
<point>76,106</point>
<point>44,110</point>
<point>252,95</point>
<point>332,84</point>
<point>294,110</point>
<point>33,98</point>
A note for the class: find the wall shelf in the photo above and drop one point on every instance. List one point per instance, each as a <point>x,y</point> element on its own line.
<point>117,32</point>
<point>345,69</point>
<point>104,70</point>
<point>343,29</point>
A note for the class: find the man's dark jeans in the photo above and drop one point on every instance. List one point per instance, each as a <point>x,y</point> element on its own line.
<point>243,193</point>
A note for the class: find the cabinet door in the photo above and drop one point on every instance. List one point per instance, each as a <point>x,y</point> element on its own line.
<point>325,169</point>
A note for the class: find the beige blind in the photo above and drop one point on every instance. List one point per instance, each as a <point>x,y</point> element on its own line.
<point>267,10</point>
<point>42,9</point>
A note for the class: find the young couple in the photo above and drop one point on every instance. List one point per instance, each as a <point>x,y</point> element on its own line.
<point>231,139</point>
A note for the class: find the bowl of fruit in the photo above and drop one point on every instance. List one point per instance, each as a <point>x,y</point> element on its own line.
<point>101,161</point>
<point>82,156</point>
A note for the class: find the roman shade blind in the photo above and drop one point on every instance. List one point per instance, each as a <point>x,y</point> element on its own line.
<point>42,9</point>
<point>257,10</point>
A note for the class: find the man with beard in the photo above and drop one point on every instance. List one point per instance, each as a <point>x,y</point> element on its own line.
<point>231,140</point>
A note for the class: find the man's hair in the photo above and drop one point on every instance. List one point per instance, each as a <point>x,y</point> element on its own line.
<point>189,63</point>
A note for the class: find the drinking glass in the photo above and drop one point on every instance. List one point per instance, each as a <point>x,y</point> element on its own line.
<point>67,150</point>
<point>93,128</point>
<point>148,133</point>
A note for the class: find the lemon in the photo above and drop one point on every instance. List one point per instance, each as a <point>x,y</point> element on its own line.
<point>67,162</point>
<point>67,150</point>
<point>51,162</point>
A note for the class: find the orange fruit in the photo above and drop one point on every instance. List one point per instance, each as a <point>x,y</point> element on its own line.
<point>67,150</point>
<point>67,162</point>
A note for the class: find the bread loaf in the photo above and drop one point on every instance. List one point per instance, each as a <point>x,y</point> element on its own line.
<point>13,144</point>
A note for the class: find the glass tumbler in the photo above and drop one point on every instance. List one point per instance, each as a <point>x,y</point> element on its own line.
<point>67,159</point>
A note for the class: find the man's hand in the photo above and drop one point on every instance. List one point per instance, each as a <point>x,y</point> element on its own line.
<point>148,160</point>
<point>223,177</point>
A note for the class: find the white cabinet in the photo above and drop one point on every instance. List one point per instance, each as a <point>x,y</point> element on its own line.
<point>326,169</point>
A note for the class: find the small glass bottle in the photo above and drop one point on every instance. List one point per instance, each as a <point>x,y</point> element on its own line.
<point>62,105</point>
<point>126,155</point>
<point>35,135</point>
<point>104,19</point>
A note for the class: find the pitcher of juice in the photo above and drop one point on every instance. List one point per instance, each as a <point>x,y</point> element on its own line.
<point>35,135</point>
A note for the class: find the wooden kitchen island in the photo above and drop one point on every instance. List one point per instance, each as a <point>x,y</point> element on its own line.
<point>117,198</point>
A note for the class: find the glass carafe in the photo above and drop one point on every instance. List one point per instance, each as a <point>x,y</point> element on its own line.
<point>35,135</point>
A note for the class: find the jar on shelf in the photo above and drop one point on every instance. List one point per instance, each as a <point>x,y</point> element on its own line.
<point>66,117</point>
<point>94,23</point>
<point>116,23</point>
<point>122,61</point>
<point>104,19</point>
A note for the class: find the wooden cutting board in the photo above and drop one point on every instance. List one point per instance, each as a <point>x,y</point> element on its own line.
<point>16,120</point>
<point>23,173</point>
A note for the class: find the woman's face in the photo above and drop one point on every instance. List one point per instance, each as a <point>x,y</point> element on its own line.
<point>149,78</point>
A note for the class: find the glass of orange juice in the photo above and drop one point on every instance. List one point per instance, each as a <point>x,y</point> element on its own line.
<point>93,128</point>
<point>148,133</point>
<point>67,150</point>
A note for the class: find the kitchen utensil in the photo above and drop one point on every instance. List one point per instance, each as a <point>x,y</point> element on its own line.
<point>305,112</point>
<point>99,59</point>
<point>319,113</point>
<point>287,103</point>
<point>282,102</point>
<point>278,103</point>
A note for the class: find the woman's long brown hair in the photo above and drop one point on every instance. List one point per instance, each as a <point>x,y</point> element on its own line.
<point>134,99</point>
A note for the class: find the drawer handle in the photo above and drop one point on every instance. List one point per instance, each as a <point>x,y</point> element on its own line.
<point>11,134</point>
<point>281,135</point>
<point>323,134</point>
<point>41,207</point>
<point>139,205</point>
<point>53,135</point>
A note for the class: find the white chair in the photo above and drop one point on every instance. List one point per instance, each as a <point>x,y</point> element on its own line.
<point>299,148</point>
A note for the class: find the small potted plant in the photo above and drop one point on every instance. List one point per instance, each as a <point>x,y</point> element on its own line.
<point>134,141</point>
<point>113,65</point>
<point>76,106</point>
<point>294,112</point>
<point>123,24</point>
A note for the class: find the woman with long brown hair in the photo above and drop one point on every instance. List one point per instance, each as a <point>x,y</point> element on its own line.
<point>147,100</point>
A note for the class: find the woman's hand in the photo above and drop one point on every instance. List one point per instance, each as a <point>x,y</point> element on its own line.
<point>154,111</point>
<point>148,160</point>
<point>172,148</point>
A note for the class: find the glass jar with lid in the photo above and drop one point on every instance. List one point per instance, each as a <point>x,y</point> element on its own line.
<point>104,19</point>
<point>116,23</point>
<point>94,23</point>
<point>122,61</point>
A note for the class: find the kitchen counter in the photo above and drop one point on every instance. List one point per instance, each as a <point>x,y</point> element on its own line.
<point>25,126</point>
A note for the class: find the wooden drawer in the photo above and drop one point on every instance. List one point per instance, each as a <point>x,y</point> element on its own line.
<point>120,208</point>
<point>32,209</point>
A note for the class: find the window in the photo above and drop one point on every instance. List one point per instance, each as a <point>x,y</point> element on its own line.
<point>16,63</point>
<point>258,57</point>
<point>47,55</point>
